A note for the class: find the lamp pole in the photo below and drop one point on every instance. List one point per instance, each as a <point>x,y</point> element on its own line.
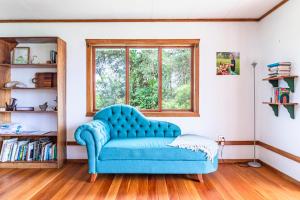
<point>254,163</point>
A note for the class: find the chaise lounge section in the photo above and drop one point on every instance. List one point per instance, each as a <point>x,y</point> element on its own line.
<point>120,139</point>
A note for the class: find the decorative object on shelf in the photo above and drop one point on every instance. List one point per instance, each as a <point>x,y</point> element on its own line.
<point>228,63</point>
<point>53,55</point>
<point>254,163</point>
<point>24,108</point>
<point>284,95</point>
<point>21,55</point>
<point>12,105</point>
<point>15,84</point>
<point>44,106</point>
<point>35,60</point>
<point>55,107</point>
<point>11,128</point>
<point>45,79</point>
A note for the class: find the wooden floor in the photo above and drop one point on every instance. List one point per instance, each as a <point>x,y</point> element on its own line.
<point>229,182</point>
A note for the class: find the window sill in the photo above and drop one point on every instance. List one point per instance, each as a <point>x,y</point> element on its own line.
<point>162,114</point>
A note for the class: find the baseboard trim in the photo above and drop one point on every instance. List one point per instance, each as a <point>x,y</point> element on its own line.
<point>233,161</point>
<point>241,143</point>
<point>222,161</point>
<point>283,175</point>
<point>83,161</point>
<point>231,142</point>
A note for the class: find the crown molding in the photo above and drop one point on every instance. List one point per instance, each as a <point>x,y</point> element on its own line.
<point>272,9</point>
<point>128,20</point>
<point>145,20</point>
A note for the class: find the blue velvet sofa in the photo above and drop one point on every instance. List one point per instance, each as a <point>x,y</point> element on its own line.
<point>120,139</point>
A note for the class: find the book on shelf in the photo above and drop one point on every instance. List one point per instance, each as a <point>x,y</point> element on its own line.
<point>279,64</point>
<point>279,69</point>
<point>281,95</point>
<point>42,149</point>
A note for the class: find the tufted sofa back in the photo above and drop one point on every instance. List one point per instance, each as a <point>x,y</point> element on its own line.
<point>127,122</point>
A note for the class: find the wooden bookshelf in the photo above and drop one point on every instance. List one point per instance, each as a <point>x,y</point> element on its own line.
<point>25,111</point>
<point>28,88</point>
<point>49,134</point>
<point>29,164</point>
<point>7,44</point>
<point>29,65</point>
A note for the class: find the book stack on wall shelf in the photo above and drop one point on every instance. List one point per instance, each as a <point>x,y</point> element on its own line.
<point>32,102</point>
<point>281,95</point>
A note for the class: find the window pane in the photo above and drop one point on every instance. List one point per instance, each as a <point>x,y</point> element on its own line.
<point>176,78</point>
<point>143,78</point>
<point>110,76</point>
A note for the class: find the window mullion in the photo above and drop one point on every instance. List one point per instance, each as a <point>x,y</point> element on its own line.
<point>127,76</point>
<point>160,79</point>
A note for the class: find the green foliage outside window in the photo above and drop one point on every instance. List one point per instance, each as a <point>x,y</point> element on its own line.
<point>143,77</point>
<point>110,77</point>
<point>176,80</point>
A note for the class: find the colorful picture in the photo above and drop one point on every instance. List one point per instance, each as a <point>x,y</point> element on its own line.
<point>228,63</point>
<point>21,55</point>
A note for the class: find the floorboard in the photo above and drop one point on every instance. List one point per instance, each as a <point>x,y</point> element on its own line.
<point>229,182</point>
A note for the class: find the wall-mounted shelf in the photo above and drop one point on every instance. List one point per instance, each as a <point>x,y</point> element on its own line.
<point>288,79</point>
<point>289,106</point>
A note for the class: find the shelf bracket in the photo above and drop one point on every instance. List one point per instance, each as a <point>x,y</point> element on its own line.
<point>275,109</point>
<point>290,82</point>
<point>291,110</point>
<point>274,83</point>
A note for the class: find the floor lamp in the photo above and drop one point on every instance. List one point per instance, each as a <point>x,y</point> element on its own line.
<point>254,163</point>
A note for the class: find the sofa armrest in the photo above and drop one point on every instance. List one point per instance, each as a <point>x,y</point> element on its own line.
<point>93,135</point>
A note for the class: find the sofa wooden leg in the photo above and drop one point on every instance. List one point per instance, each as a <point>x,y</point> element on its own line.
<point>200,178</point>
<point>92,178</point>
<point>195,177</point>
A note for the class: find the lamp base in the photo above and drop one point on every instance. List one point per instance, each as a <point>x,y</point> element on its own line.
<point>254,164</point>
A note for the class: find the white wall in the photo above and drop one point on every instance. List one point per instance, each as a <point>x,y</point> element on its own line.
<point>225,101</point>
<point>279,41</point>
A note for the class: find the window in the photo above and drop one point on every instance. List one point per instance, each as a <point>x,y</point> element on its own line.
<point>159,77</point>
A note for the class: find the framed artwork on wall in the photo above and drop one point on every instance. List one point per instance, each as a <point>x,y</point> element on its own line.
<point>228,63</point>
<point>21,55</point>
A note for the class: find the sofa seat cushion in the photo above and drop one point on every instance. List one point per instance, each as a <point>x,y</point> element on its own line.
<point>146,148</point>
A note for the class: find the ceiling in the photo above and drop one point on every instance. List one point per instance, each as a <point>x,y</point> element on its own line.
<point>133,9</point>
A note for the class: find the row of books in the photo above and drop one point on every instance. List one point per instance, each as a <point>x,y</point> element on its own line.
<point>279,69</point>
<point>281,95</point>
<point>28,150</point>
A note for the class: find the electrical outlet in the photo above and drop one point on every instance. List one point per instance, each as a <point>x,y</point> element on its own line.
<point>221,140</point>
